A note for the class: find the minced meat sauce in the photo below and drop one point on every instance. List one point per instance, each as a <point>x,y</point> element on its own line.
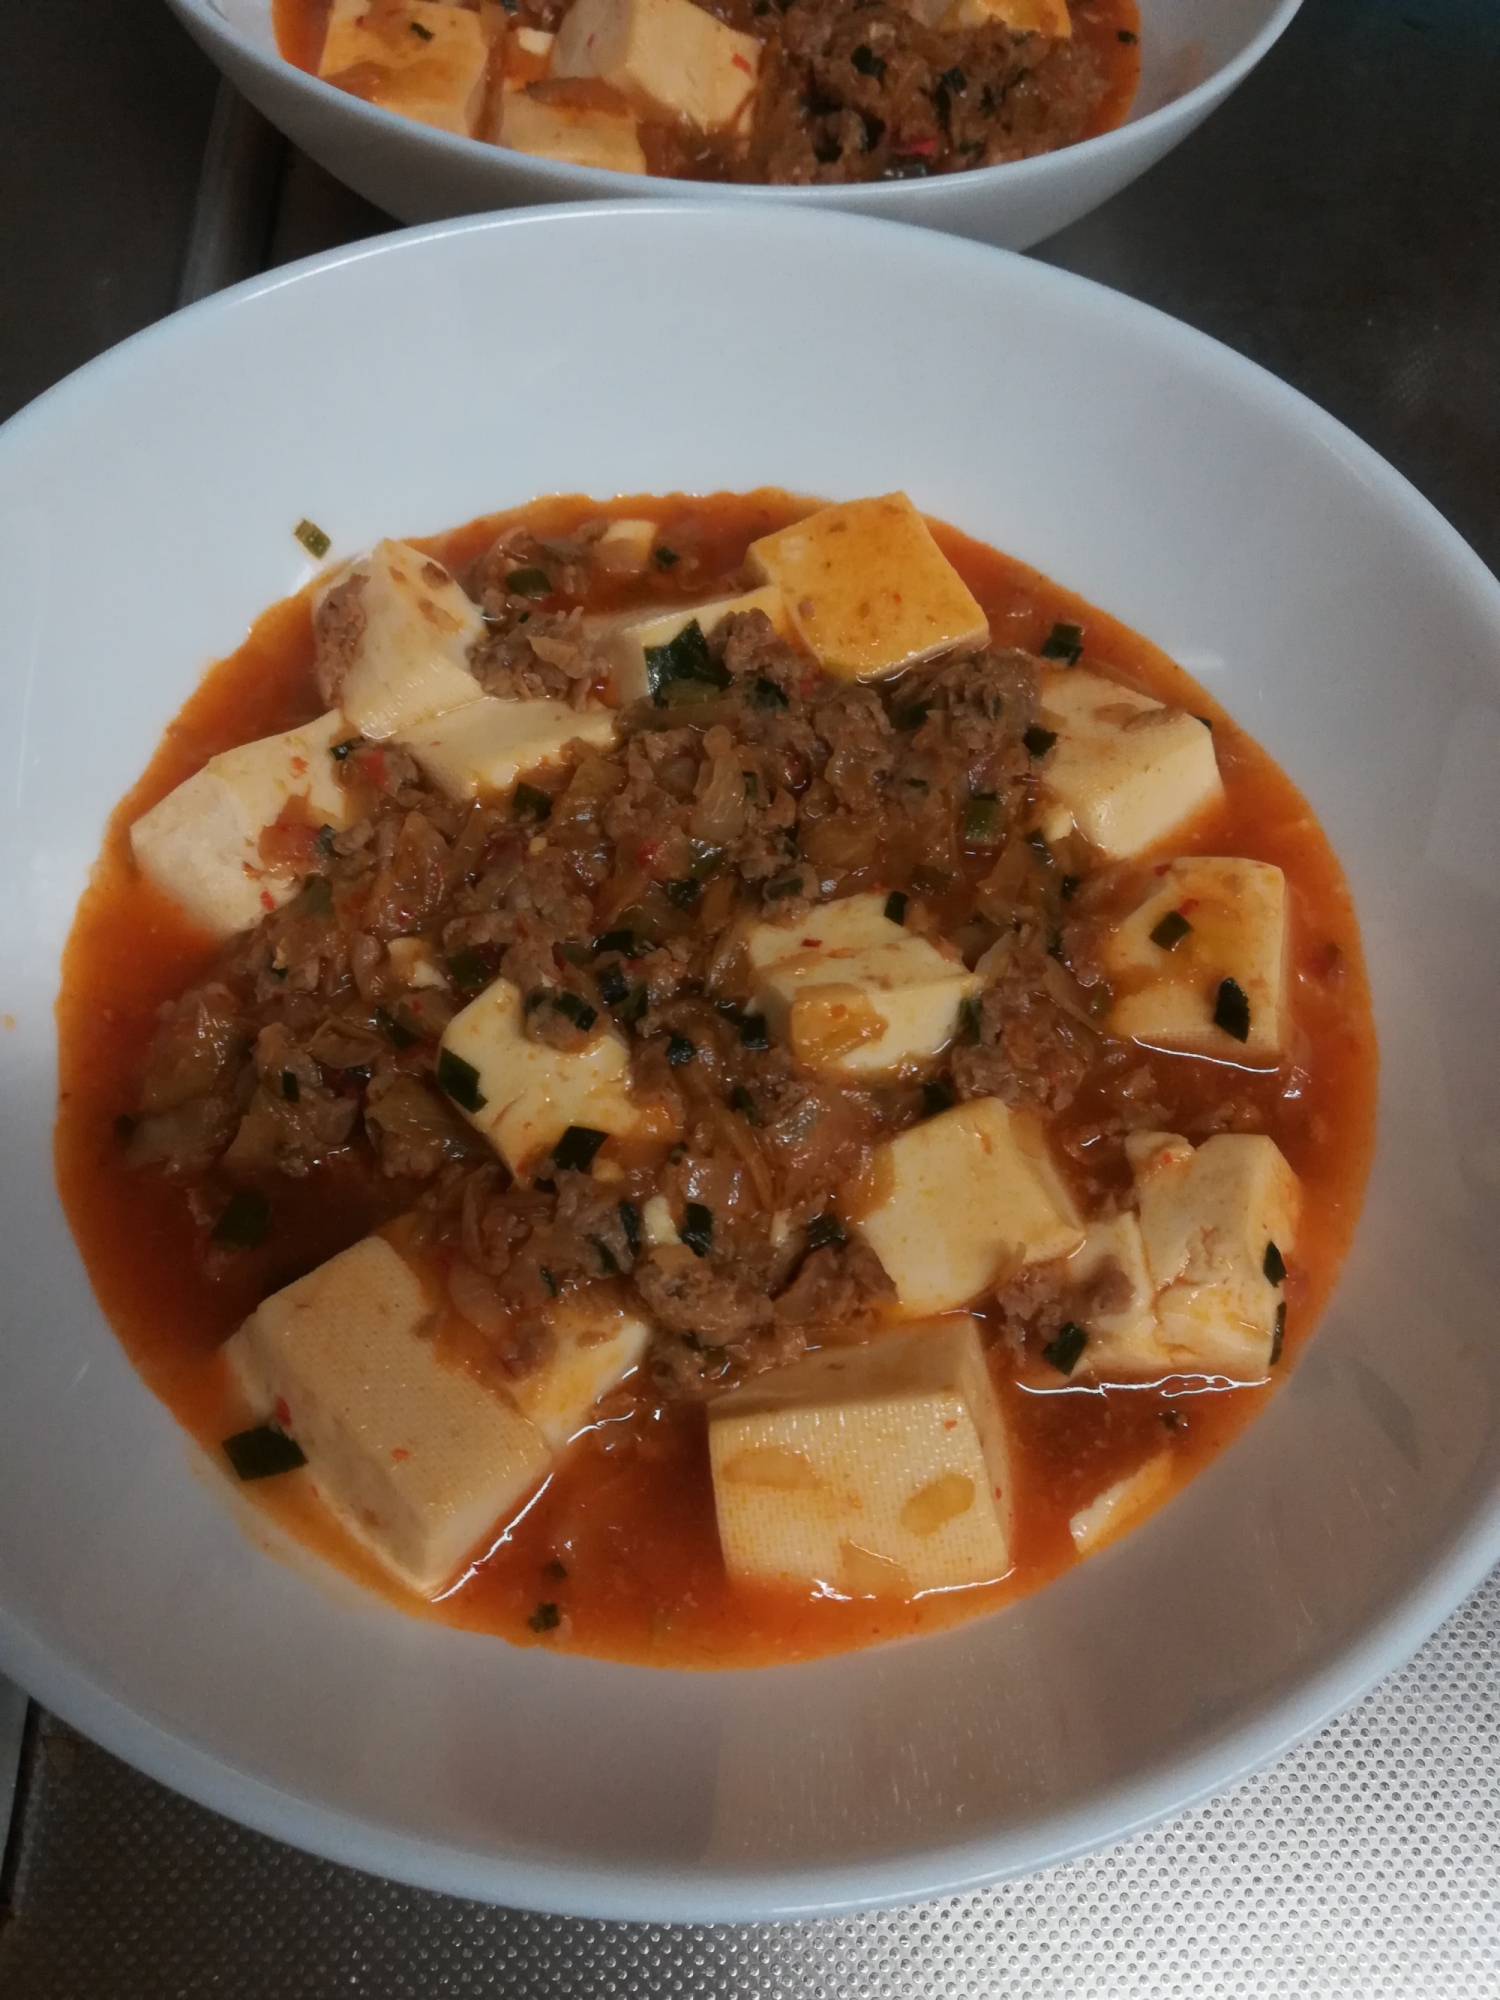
<point>295,1065</point>
<point>863,90</point>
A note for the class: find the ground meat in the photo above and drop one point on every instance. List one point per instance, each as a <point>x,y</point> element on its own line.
<point>1034,1041</point>
<point>836,1286</point>
<point>688,1294</point>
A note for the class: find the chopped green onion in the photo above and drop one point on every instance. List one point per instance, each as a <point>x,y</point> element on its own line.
<point>1280,1333</point>
<point>1036,840</point>
<point>263,1452</point>
<point>825,1232</point>
<point>529,582</point>
<point>325,842</point>
<point>573,1007</point>
<point>1170,932</point>
<point>621,941</point>
<point>613,986</point>
<point>571,952</point>
<point>1069,886</point>
<point>341,750</point>
<point>636,1005</point>
<point>911,715</point>
<point>1232,1010</point>
<point>917,785</point>
<point>1063,642</point>
<point>317,897</point>
<point>706,861</point>
<point>244,1221</point>
<point>1063,1352</point>
<point>752,784</point>
<point>784,885</point>
<point>531,801</point>
<point>1039,741</point>
<point>764,693</point>
<point>545,1618</point>
<point>983,822</point>
<point>291,1089</point>
<point>666,558</point>
<point>460,1080</point>
<point>684,661</point>
<point>609,1264</point>
<point>936,1097</point>
<point>753,1032</point>
<point>630,1223</point>
<point>1054,944</point>
<point>931,881</point>
<point>679,1050</point>
<point>547,1277</point>
<point>868,63</point>
<point>467,969</point>
<point>555,1571</point>
<point>1126,35</point>
<point>683,894</point>
<point>968,1018</point>
<point>895,907</point>
<point>313,539</point>
<point>697,1230</point>
<point>575,1150</point>
<point>422,34</point>
<point>396,1032</point>
<point>1274,1265</point>
<point>954,79</point>
<point>745,1104</point>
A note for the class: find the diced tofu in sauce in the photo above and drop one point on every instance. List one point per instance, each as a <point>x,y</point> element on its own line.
<point>1128,769</point>
<point>423,59</point>
<point>552,127</point>
<point>665,57</point>
<point>627,643</point>
<point>973,1197</point>
<point>201,844</point>
<point>410,660</point>
<point>481,749</point>
<point>851,991</point>
<point>524,1094</point>
<point>871,1471</point>
<point>1121,1505</point>
<point>867,588</point>
<point>1207,918</point>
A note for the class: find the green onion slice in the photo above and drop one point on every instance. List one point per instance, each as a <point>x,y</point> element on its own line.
<point>1170,932</point>
<point>697,1230</point>
<point>825,1232</point>
<point>263,1452</point>
<point>1274,1265</point>
<point>313,539</point>
<point>1063,642</point>
<point>1232,1010</point>
<point>529,582</point>
<point>575,1150</point>
<point>895,907</point>
<point>684,660</point>
<point>1039,741</point>
<point>531,801</point>
<point>461,1081</point>
<point>1064,1351</point>
<point>244,1221</point>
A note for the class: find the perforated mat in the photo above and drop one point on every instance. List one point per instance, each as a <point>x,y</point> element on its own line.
<point>1366,1863</point>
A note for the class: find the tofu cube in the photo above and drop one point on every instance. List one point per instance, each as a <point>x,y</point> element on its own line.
<point>423,59</point>
<point>1120,1506</point>
<point>1124,1343</point>
<point>1208,1217</point>
<point>627,644</point>
<point>201,844</point>
<point>972,1198</point>
<point>417,1459</point>
<point>872,1471</point>
<point>668,58</point>
<point>1029,17</point>
<point>1128,769</point>
<point>852,992</point>
<point>524,1095</point>
<point>1166,993</point>
<point>553,128</point>
<point>625,547</point>
<point>868,589</point>
<point>411,658</point>
<point>481,749</point>
<point>593,1355</point>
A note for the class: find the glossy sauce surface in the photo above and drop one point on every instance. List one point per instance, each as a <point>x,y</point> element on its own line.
<point>622,1538</point>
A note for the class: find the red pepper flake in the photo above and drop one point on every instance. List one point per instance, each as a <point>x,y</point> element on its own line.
<point>400,1455</point>
<point>812,944</point>
<point>1189,905</point>
<point>283,1412</point>
<point>740,63</point>
<point>375,765</point>
<point>267,900</point>
<point>299,765</point>
<point>647,852</point>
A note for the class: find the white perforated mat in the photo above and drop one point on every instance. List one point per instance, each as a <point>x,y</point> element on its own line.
<point>1366,1863</point>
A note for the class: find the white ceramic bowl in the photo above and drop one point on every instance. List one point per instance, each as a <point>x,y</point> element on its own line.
<point>148,506</point>
<point>1194,52</point>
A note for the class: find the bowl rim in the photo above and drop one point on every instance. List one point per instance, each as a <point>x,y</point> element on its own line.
<point>716,1892</point>
<point>580,183</point>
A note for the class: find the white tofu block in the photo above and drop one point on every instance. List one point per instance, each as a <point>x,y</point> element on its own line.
<point>973,1198</point>
<point>667,57</point>
<point>657,1227</point>
<point>593,1354</point>
<point>423,59</point>
<point>1128,769</point>
<point>873,1471</point>
<point>200,844</point>
<point>868,589</point>
<point>411,662</point>
<point>625,546</point>
<point>1207,1218</point>
<point>626,644</point>
<point>1166,996</point>
<point>527,1093</point>
<point>851,992</point>
<point>1120,1506</point>
<point>414,963</point>
<point>1124,1344</point>
<point>1031,17</point>
<point>481,749</point>
<point>588,135</point>
<point>417,1459</point>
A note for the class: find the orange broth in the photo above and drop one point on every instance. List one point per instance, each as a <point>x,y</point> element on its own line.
<point>622,1536</point>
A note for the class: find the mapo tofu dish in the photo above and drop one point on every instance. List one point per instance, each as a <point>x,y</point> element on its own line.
<point>707,1080</point>
<point>792,92</point>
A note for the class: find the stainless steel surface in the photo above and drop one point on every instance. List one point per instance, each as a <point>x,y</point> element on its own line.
<point>1339,221</point>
